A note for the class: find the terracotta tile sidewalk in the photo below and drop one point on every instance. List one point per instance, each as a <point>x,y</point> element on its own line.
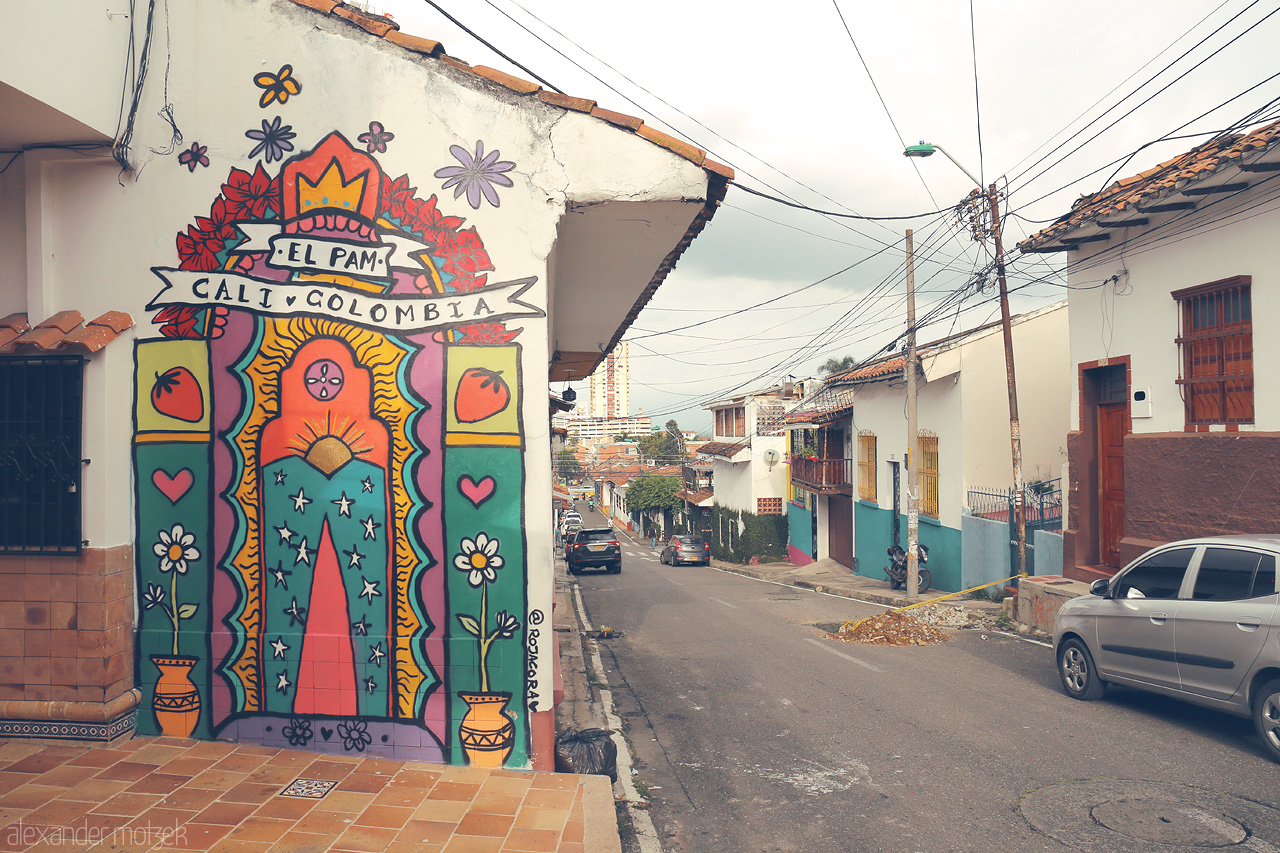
<point>170,794</point>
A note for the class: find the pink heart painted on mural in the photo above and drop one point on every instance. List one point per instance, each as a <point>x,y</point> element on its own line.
<point>475,492</point>
<point>175,486</point>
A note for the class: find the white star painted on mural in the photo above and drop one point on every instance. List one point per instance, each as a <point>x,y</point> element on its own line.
<point>282,685</point>
<point>280,575</point>
<point>366,485</point>
<point>361,627</point>
<point>280,475</point>
<point>286,535</point>
<point>344,505</point>
<point>370,684</point>
<point>300,501</point>
<point>355,556</point>
<point>279,648</point>
<point>370,528</point>
<point>376,654</point>
<point>304,553</point>
<point>370,589</point>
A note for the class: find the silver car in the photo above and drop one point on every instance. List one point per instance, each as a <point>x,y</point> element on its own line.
<point>1196,620</point>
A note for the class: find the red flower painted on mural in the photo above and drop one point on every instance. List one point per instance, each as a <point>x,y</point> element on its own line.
<point>199,249</point>
<point>218,222</point>
<point>178,321</point>
<point>464,255</point>
<point>486,333</point>
<point>432,223</point>
<point>249,196</point>
<point>394,195</point>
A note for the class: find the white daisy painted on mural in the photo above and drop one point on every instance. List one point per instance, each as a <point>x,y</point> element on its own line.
<point>479,558</point>
<point>176,549</point>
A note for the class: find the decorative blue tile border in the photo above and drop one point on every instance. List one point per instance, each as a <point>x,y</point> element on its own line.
<point>69,730</point>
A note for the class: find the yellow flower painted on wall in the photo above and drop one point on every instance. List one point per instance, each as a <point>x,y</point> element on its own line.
<point>276,87</point>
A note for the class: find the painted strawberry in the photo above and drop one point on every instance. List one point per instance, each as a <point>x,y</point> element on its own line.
<point>482,393</point>
<point>176,394</point>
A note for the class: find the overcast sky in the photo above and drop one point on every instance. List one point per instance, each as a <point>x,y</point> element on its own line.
<point>804,108</point>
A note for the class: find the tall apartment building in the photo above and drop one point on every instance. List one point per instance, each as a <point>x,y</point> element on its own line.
<point>611,385</point>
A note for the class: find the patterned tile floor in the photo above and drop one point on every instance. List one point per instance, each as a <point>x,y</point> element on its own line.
<point>170,794</point>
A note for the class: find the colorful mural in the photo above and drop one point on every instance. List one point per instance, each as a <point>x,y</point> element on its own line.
<point>329,458</point>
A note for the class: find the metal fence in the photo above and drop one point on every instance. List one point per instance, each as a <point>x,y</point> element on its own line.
<point>1043,506</point>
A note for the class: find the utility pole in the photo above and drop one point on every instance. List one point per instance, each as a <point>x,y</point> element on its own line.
<point>1015,430</point>
<point>913,432</point>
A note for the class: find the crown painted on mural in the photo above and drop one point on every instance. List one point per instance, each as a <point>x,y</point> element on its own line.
<point>332,192</point>
<point>333,178</point>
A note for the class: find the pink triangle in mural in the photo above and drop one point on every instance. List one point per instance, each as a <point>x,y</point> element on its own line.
<point>327,675</point>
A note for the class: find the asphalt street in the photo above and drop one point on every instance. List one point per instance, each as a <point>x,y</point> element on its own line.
<point>753,731</point>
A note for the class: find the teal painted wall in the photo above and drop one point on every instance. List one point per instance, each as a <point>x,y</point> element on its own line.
<point>873,533</point>
<point>799,528</point>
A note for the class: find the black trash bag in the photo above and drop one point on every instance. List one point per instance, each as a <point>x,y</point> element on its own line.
<point>587,751</point>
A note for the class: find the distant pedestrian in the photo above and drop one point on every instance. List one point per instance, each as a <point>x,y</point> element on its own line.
<point>653,537</point>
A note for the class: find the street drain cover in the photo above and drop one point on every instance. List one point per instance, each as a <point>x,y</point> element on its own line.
<point>1119,816</point>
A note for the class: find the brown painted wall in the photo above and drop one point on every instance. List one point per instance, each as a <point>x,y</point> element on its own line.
<point>1179,484</point>
<point>66,626</point>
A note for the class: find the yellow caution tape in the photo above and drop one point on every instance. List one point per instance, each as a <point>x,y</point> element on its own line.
<point>848,626</point>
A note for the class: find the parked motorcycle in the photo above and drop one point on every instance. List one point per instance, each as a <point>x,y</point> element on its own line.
<point>897,568</point>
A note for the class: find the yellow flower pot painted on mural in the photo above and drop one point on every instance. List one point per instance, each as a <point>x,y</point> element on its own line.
<point>487,733</point>
<point>176,700</point>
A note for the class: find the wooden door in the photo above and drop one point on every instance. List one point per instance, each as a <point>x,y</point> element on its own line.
<point>840,529</point>
<point>1111,432</point>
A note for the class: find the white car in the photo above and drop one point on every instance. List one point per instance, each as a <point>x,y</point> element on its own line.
<point>1197,620</point>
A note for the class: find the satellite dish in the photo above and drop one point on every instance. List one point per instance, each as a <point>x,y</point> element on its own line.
<point>771,458</point>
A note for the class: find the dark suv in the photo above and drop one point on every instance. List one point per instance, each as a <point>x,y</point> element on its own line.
<point>594,547</point>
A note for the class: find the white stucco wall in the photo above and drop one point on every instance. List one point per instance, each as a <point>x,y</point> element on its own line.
<point>1041,359</point>
<point>1137,317</point>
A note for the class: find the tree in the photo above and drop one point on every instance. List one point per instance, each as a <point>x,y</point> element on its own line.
<point>648,492</point>
<point>666,446</point>
<point>838,365</point>
<point>567,464</point>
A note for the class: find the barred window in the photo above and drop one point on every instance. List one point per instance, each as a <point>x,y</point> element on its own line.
<point>769,420</point>
<point>928,473</point>
<point>1215,348</point>
<point>867,465</point>
<point>40,416</point>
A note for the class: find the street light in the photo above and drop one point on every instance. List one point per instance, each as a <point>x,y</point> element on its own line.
<point>925,149</point>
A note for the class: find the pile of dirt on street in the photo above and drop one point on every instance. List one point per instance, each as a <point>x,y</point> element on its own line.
<point>892,629</point>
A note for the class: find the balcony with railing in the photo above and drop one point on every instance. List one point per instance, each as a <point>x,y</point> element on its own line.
<point>825,476</point>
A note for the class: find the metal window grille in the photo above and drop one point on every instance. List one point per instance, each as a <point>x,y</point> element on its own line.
<point>1215,345</point>
<point>40,420</point>
<point>928,474</point>
<point>866,466</point>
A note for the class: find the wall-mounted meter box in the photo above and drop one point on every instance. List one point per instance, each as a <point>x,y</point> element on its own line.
<point>1140,405</point>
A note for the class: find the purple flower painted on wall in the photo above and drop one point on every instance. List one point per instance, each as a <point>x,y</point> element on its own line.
<point>273,140</point>
<point>375,141</point>
<point>477,174</point>
<point>194,156</point>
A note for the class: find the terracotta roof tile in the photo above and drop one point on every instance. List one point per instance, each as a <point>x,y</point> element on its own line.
<point>376,24</point>
<point>63,321</point>
<point>689,152</point>
<point>620,119</point>
<point>515,84</point>
<point>118,321</point>
<point>726,449</point>
<point>1162,181</point>
<point>568,102</point>
<point>324,7</point>
<point>16,321</point>
<point>414,43</point>
<point>60,332</point>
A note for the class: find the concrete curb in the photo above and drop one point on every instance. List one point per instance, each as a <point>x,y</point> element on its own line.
<point>599,818</point>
